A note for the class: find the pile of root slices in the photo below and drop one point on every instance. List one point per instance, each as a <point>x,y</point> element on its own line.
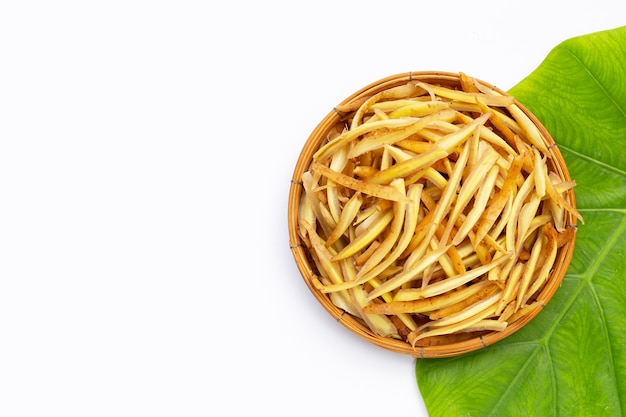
<point>432,210</point>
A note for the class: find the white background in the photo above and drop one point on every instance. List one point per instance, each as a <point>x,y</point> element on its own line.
<point>146,152</point>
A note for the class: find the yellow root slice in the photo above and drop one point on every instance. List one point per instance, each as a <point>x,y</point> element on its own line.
<point>486,290</point>
<point>465,313</point>
<point>453,328</point>
<point>407,274</point>
<point>395,229</point>
<point>377,190</point>
<point>370,143</point>
<point>366,238</point>
<point>425,305</point>
<point>348,214</point>
<point>532,132</point>
<point>370,271</point>
<point>334,145</point>
<point>461,279</point>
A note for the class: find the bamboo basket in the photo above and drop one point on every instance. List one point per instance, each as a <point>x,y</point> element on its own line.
<point>464,343</point>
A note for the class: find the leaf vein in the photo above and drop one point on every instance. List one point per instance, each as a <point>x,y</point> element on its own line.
<point>603,210</point>
<point>598,83</point>
<point>604,165</point>
<point>605,332</point>
<point>553,378</point>
<point>509,389</point>
<point>612,242</point>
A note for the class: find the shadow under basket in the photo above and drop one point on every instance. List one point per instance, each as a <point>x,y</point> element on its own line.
<point>431,347</point>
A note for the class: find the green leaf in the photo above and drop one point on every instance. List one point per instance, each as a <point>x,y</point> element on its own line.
<point>571,359</point>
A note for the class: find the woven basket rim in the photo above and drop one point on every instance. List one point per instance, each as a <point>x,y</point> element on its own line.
<point>311,145</point>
